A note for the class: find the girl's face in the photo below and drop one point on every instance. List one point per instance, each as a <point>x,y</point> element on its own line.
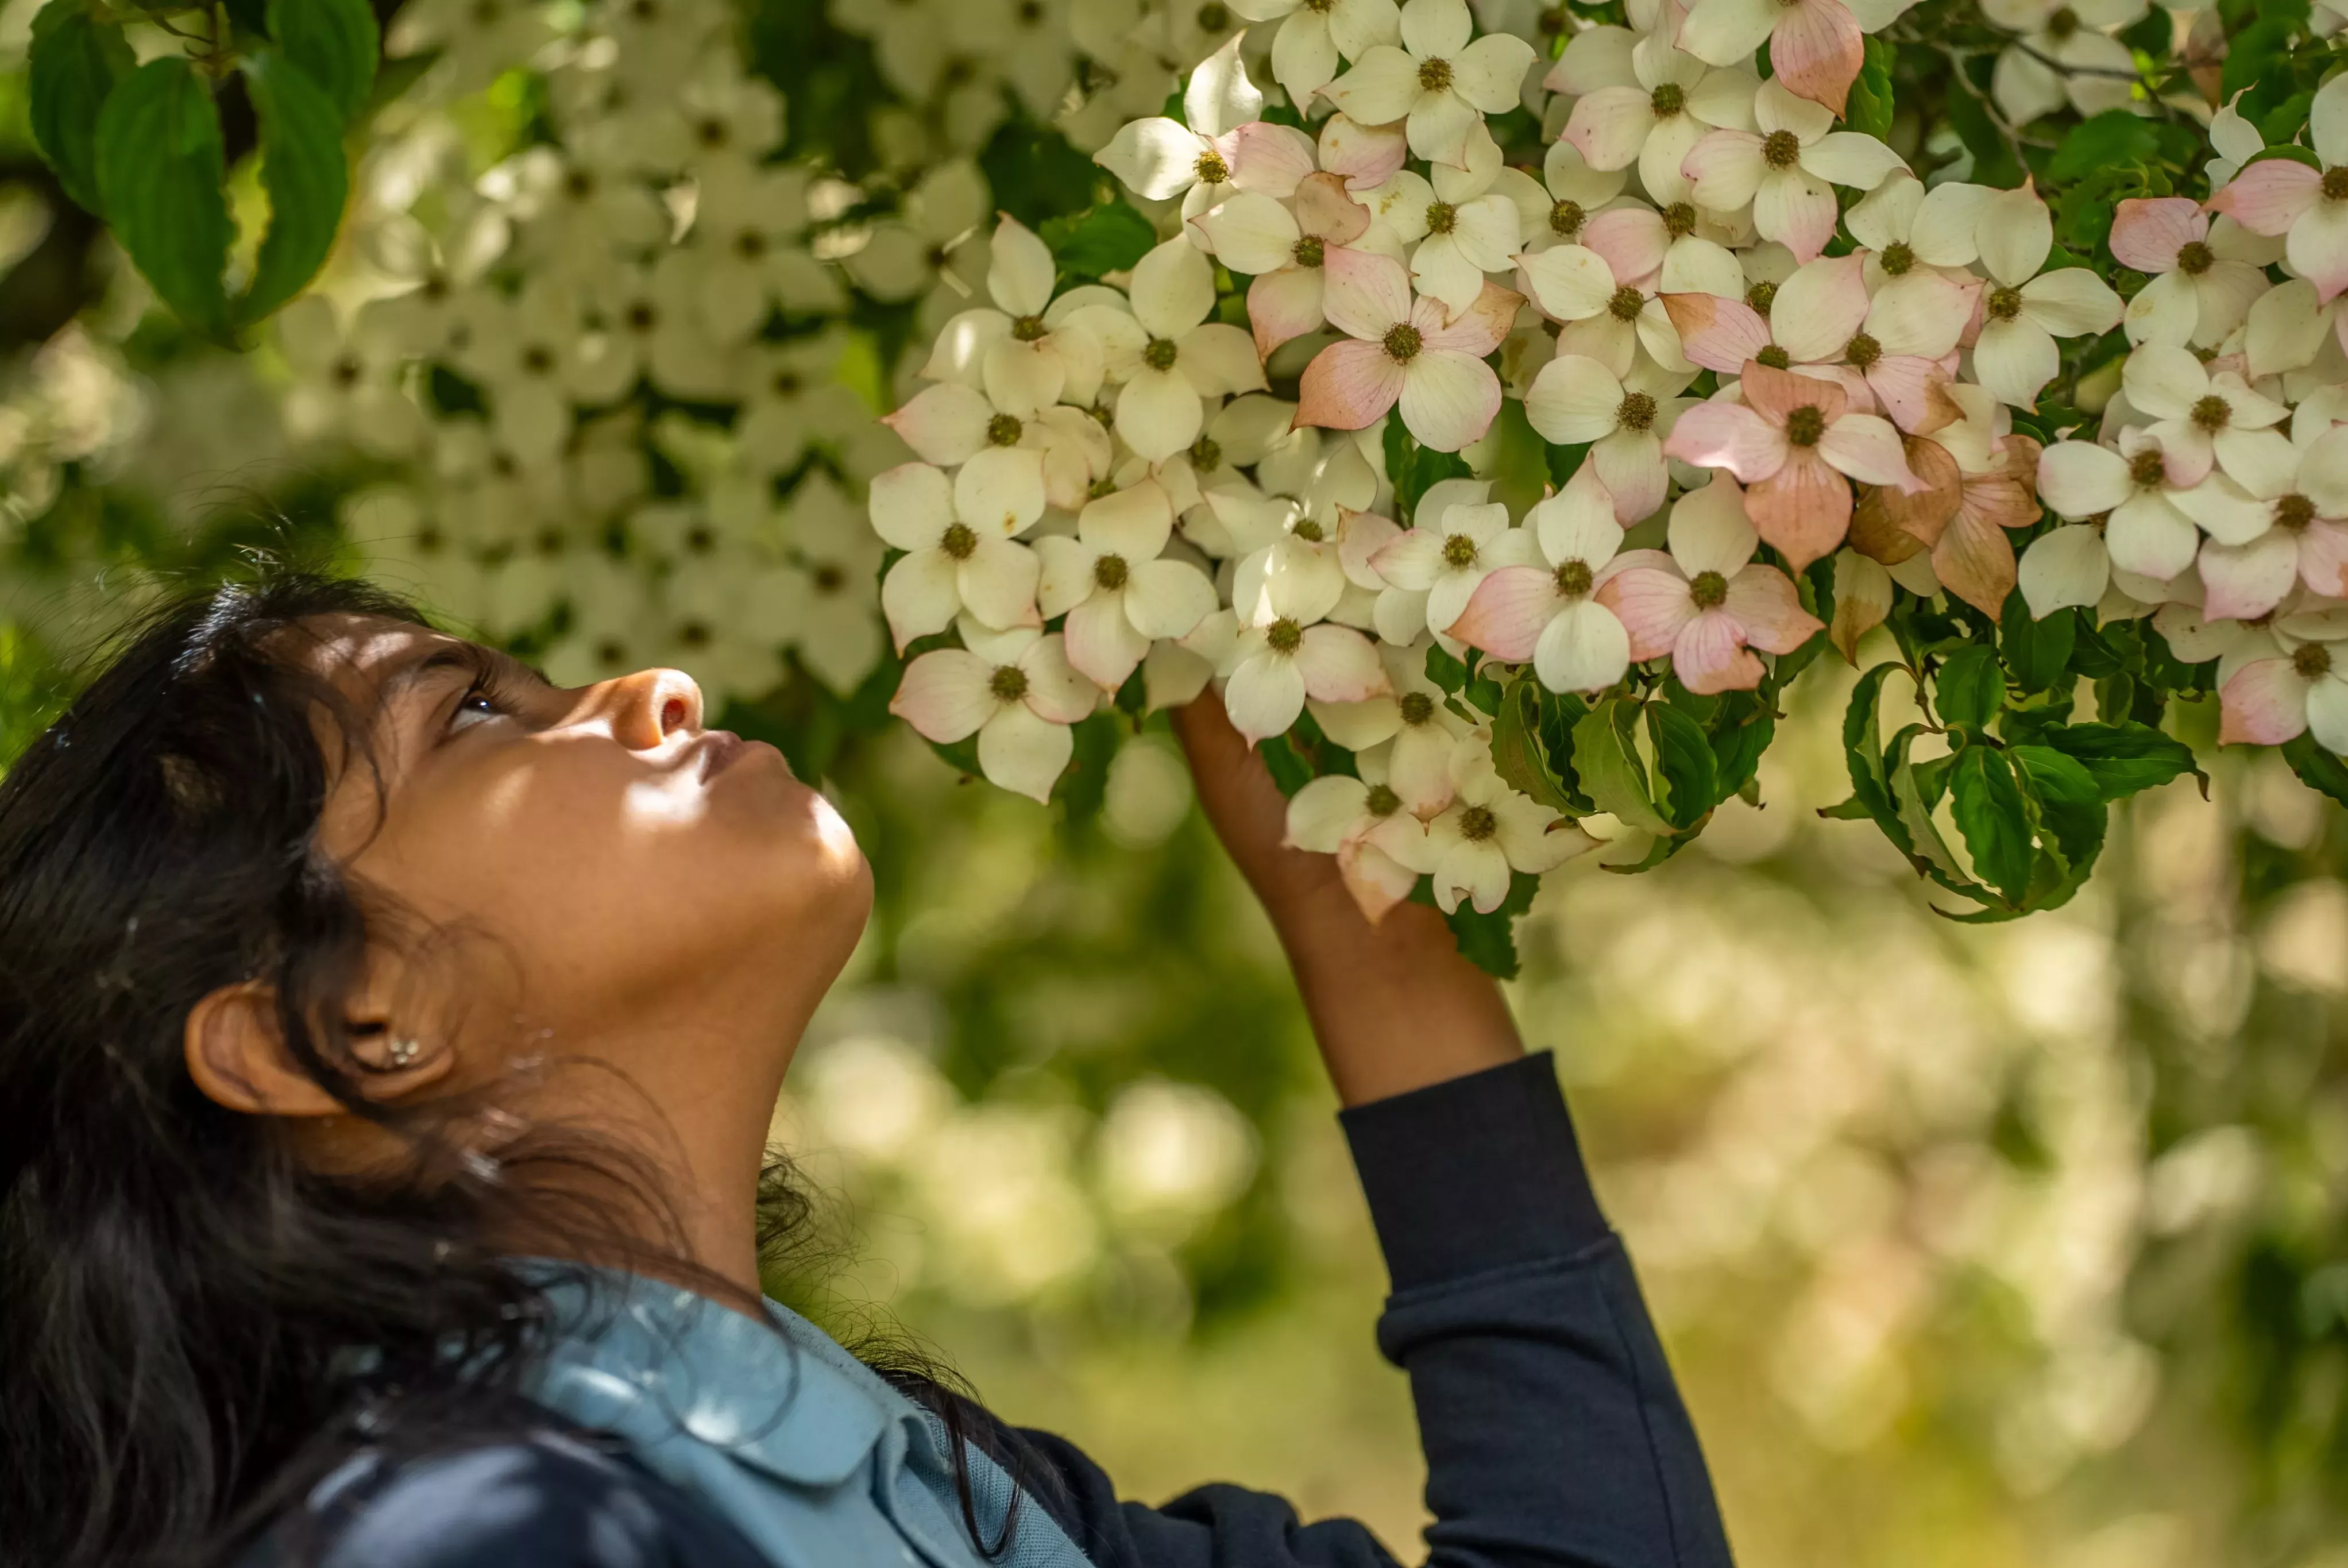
<point>593,872</point>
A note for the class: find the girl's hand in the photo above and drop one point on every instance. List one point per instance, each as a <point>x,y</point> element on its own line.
<point>1394,1005</point>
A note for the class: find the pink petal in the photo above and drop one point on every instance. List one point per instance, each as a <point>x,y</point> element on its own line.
<point>2243,582</point>
<point>944,695</point>
<point>1654,606</point>
<point>2267,197</point>
<point>1868,449</point>
<point>1508,612</point>
<point>1283,305</point>
<point>1765,604</point>
<point>1609,125</point>
<point>1974,560</point>
<point>1803,508</point>
<point>1816,52</point>
<point>1449,400</point>
<point>1632,240</point>
<point>1914,392</point>
<point>2147,231</point>
<point>1365,292</point>
<point>1726,436</point>
<point>1631,466</point>
<point>1323,208</point>
<point>1349,386</point>
<point>1796,209</point>
<point>1481,327</point>
<point>2323,558</point>
<point>1364,156</point>
<point>2265,704</point>
<point>1340,664</point>
<point>1717,333</point>
<point>1776,394</point>
<point>1710,655</point>
<point>1269,158</point>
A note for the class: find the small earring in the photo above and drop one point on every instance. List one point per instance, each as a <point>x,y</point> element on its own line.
<point>404,1051</point>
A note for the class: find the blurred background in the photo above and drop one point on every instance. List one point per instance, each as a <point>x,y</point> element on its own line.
<point>2012,1247</point>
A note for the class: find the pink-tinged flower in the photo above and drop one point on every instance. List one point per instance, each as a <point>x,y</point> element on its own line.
<point>1903,225</point>
<point>1315,38</point>
<point>1547,615</point>
<point>957,538</point>
<point>1792,442</point>
<point>2306,539</point>
<point>2205,419</point>
<point>1815,47</point>
<point>1118,596</point>
<point>1274,668</point>
<point>1575,400</point>
<point>1654,113</point>
<point>1444,553</point>
<point>1972,554</point>
<point>1490,831</point>
<point>1608,315</point>
<point>1411,730</point>
<point>951,424</point>
<point>1380,849</point>
<point>1223,148</point>
<point>2309,206</point>
<point>1862,602</point>
<point>1576,193</point>
<point>2027,310</point>
<point>1437,81</point>
<point>1018,697</point>
<point>1285,252</point>
<point>2270,701</point>
<point>1402,351</point>
<point>1364,156</point>
<point>1023,354</point>
<point>1787,167</point>
<point>2153,502</point>
<point>1705,604</point>
<point>2204,282</point>
<point>1679,249</point>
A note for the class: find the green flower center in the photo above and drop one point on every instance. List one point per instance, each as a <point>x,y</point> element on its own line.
<point>1028,329</point>
<point>1003,430</point>
<point>2335,184</point>
<point>1402,343</point>
<point>1008,682</point>
<point>1574,578</point>
<point>1434,76</point>
<point>2005,304</point>
<point>2312,660</point>
<point>1283,636</point>
<point>1679,220</point>
<point>1862,351</point>
<point>1441,217</point>
<point>1626,303</point>
<point>1382,801</point>
<point>1709,590</point>
<point>1308,251</point>
<point>1211,168</point>
<point>2147,469</point>
<point>1775,357</point>
<point>1305,528</point>
<point>1161,353</point>
<point>1416,707</point>
<point>2294,511</point>
<point>1206,454</point>
<point>1781,148</point>
<point>1565,219</point>
<point>2212,412</point>
<point>1477,824</point>
<point>960,540</point>
<point>1109,573</point>
<point>1897,258</point>
<point>2194,257</point>
<point>1761,296</point>
<point>1636,412</point>
<point>1458,551</point>
<point>1806,426</point>
<point>1667,100</point>
<point>2063,23</point>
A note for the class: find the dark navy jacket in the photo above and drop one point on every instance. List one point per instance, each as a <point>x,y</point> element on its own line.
<point>1553,1431</point>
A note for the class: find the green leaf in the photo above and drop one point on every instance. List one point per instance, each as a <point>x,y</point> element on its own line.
<point>1612,774</point>
<point>2070,803</point>
<point>1517,754</point>
<point>1969,689</point>
<point>2294,154</point>
<point>1868,109</point>
<point>1413,469</point>
<point>306,174</point>
<point>2115,137</point>
<point>1289,770</point>
<point>1488,941</point>
<point>1448,674</point>
<point>1109,238</point>
<point>160,169</point>
<point>2318,768</point>
<point>1685,773</point>
<point>2037,652</point>
<point>2124,757</point>
<point>1993,160</point>
<point>75,64</point>
<point>335,43</point>
<point>1915,789</point>
<point>1742,734</point>
<point>1991,813</point>
<point>1862,745</point>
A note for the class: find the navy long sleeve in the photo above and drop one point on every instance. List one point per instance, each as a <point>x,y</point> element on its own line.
<point>1554,1433</point>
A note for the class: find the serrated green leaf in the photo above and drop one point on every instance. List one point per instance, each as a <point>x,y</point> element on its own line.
<point>1969,687</point>
<point>1930,853</point>
<point>2070,802</point>
<point>1685,774</point>
<point>306,173</point>
<point>2037,652</point>
<point>1869,108</point>
<point>160,169</point>
<point>1517,753</point>
<point>1610,772</point>
<point>2124,757</point>
<point>2317,769</point>
<point>1990,812</point>
<point>74,66</point>
<point>335,42</point>
<point>1862,745</point>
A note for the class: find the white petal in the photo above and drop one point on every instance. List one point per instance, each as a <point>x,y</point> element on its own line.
<point>1021,751</point>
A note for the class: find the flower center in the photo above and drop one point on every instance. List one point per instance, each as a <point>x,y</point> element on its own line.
<point>2147,469</point>
<point>2005,304</point>
<point>2194,258</point>
<point>2294,511</point>
<point>1636,412</point>
<point>2212,412</point>
<point>1440,217</point>
<point>2335,184</point>
<point>1566,217</point>
<point>1862,351</point>
<point>1308,250</point>
<point>1206,454</point>
<point>1780,149</point>
<point>1305,528</point>
<point>1029,329</point>
<point>1283,636</point>
<point>1008,682</point>
<point>1667,100</point>
<point>1709,590</point>
<point>1402,343</point>
<point>829,578</point>
<point>1434,76</point>
<point>1003,430</point>
<point>2312,660</point>
<point>1805,426</point>
<point>1161,353</point>
<point>1382,801</point>
<point>1761,296</point>
<point>1458,551</point>
<point>1109,573</point>
<point>959,541</point>
<point>1775,357</point>
<point>1897,258</point>
<point>1215,18</point>
<point>1626,303</point>
<point>1212,169</point>
<point>1477,824</point>
<point>1679,220</point>
<point>1418,707</point>
<point>1574,578</point>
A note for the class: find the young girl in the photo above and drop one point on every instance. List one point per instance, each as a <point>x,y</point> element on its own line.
<point>387,1044</point>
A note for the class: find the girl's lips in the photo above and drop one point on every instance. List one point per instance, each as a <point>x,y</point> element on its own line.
<point>719,750</point>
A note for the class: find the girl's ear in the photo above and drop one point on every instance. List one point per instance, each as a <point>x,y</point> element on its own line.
<point>237,1055</point>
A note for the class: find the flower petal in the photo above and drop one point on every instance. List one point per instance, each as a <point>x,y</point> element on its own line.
<point>2065,567</point>
<point>1448,400</point>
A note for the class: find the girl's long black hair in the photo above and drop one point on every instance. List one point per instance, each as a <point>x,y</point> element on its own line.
<point>196,1326</point>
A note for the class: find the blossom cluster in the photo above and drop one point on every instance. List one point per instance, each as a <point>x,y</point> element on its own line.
<point>1784,390</point>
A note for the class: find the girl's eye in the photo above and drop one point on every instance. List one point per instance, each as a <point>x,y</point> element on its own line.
<point>473,707</point>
